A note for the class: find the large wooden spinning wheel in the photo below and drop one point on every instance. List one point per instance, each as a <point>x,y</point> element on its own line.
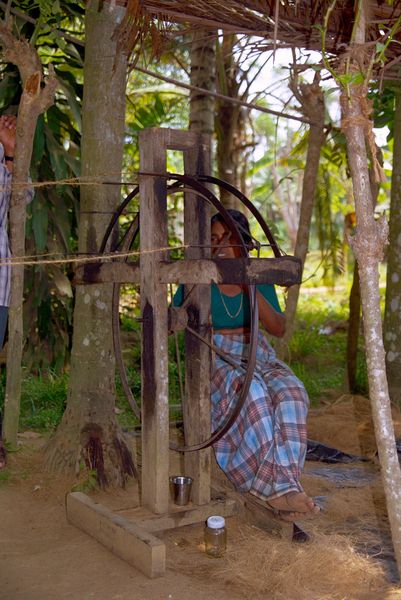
<point>123,240</point>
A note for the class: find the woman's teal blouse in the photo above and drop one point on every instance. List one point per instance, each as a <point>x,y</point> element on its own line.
<point>231,312</point>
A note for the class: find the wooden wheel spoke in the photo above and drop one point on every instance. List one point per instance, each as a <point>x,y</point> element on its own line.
<point>248,376</point>
<point>217,350</point>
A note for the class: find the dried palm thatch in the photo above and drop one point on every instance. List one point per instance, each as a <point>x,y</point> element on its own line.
<point>137,25</point>
<point>287,23</point>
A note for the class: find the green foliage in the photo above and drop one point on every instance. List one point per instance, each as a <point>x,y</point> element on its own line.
<point>351,78</point>
<point>384,106</point>
<point>43,401</point>
<point>361,380</point>
<point>317,356</point>
<point>151,108</point>
<point>318,347</point>
<point>5,476</point>
<point>330,227</point>
<point>89,484</point>
<point>132,359</point>
<point>52,215</point>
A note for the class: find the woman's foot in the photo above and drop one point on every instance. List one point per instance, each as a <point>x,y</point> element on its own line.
<point>294,506</point>
<point>288,516</point>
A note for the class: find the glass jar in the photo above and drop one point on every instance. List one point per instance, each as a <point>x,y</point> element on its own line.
<point>215,536</point>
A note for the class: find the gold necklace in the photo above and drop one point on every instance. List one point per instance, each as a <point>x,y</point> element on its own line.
<point>225,305</point>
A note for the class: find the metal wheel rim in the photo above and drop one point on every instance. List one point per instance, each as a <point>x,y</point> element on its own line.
<point>207,195</point>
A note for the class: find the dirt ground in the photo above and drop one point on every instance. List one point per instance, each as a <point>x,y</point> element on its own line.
<point>42,557</point>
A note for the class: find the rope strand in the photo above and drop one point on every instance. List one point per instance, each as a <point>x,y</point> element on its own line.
<point>110,257</point>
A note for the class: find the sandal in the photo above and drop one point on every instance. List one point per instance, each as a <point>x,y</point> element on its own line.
<point>299,535</point>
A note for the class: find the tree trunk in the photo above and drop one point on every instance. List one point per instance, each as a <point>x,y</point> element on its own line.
<point>368,244</point>
<point>196,405</point>
<point>203,75</point>
<point>353,330</point>
<point>34,101</point>
<point>312,102</point>
<point>89,434</point>
<point>227,118</point>
<point>392,316</point>
<point>287,205</point>
<point>234,142</point>
<point>355,300</point>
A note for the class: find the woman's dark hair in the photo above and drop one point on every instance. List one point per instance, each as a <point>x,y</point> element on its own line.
<point>240,220</point>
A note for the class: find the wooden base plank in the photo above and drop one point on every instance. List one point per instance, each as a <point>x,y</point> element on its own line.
<point>179,516</point>
<point>126,539</point>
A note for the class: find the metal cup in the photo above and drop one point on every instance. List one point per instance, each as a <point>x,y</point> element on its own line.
<point>181,488</point>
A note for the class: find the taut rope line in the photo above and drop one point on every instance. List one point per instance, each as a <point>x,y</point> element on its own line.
<point>20,260</point>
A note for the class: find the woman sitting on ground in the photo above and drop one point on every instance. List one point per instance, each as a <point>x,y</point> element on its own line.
<point>264,451</point>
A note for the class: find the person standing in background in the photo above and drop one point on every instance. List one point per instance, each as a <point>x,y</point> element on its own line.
<point>7,144</point>
<point>8,125</point>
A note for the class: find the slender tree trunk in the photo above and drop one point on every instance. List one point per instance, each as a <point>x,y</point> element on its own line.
<point>368,244</point>
<point>196,406</point>
<point>203,74</point>
<point>355,302</point>
<point>312,102</point>
<point>392,316</point>
<point>227,118</point>
<point>88,433</point>
<point>34,101</point>
<point>353,330</point>
<point>288,207</point>
<point>234,144</point>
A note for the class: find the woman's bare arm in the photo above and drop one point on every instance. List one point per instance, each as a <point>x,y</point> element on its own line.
<point>272,321</point>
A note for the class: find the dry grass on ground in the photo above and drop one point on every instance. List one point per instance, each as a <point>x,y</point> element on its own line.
<point>341,561</point>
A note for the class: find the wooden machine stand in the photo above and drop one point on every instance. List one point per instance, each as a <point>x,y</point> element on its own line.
<point>130,533</point>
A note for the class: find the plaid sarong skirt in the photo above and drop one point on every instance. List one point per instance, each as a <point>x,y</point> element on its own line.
<point>264,451</point>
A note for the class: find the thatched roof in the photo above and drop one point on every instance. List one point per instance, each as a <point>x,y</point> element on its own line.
<point>295,23</point>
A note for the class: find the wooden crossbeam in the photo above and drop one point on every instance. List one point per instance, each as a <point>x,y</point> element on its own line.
<point>284,271</point>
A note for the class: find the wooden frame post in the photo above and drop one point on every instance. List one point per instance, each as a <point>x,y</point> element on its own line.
<point>154,144</point>
<point>154,371</point>
<point>196,410</point>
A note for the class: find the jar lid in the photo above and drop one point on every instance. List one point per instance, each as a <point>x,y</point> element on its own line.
<point>216,522</point>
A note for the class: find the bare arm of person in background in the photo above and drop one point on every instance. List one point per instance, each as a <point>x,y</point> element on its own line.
<point>7,139</point>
